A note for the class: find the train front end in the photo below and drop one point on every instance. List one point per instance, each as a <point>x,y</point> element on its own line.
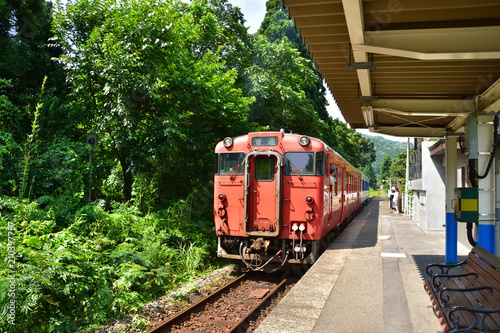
<point>268,199</point>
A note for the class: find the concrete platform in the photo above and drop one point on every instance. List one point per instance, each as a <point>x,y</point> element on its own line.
<point>370,279</point>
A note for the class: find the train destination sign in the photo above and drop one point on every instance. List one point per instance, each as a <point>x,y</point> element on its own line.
<point>265,141</point>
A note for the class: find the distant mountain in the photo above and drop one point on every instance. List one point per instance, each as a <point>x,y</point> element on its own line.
<point>384,146</point>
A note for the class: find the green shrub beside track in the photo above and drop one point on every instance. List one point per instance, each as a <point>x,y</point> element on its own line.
<point>82,271</point>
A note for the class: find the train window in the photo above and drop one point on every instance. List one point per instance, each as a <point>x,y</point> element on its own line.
<point>334,179</point>
<point>300,162</point>
<point>305,164</point>
<point>320,163</point>
<point>264,169</point>
<point>231,163</point>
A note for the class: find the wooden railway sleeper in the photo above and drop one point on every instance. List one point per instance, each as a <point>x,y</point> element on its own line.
<point>271,293</point>
<point>167,325</point>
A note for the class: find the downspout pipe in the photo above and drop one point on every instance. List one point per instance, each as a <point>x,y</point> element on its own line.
<point>473,176</point>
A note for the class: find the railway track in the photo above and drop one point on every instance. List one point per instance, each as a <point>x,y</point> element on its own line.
<point>229,309</point>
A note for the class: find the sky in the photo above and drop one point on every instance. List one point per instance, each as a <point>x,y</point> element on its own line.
<point>254,12</point>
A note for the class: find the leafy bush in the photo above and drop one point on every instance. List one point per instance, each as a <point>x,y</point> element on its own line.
<point>10,169</point>
<point>98,265</point>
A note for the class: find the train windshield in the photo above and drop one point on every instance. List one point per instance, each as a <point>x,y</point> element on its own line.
<point>230,163</point>
<point>304,163</point>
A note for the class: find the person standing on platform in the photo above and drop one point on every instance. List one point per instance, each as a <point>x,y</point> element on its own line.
<point>390,194</point>
<point>395,201</point>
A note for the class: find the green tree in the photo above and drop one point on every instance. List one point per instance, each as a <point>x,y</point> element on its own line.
<point>10,166</point>
<point>366,147</point>
<point>384,147</point>
<point>25,59</point>
<point>369,171</point>
<point>398,166</point>
<point>9,113</point>
<point>153,81</point>
<point>275,26</point>
<point>277,80</point>
<point>385,169</point>
<point>226,35</point>
<point>355,148</point>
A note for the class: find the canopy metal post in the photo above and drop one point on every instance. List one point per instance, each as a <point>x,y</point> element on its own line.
<point>451,184</point>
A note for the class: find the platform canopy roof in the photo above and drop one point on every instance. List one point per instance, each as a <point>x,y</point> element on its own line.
<point>411,68</point>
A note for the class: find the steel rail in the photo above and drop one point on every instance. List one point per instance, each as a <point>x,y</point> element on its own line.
<point>167,325</point>
<point>248,316</point>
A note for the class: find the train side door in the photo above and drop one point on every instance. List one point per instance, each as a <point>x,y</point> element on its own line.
<point>332,192</point>
<point>262,193</point>
<point>329,186</point>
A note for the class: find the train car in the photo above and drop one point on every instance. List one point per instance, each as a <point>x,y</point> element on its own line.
<point>278,196</point>
<point>365,189</point>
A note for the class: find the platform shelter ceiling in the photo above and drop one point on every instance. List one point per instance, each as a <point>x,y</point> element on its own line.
<point>411,68</point>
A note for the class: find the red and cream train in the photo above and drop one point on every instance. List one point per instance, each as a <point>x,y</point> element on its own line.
<point>278,195</point>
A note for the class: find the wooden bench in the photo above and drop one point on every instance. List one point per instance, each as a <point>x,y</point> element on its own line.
<point>466,296</point>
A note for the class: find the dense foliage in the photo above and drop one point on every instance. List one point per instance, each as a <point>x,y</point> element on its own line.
<point>398,166</point>
<point>385,169</point>
<point>152,79</point>
<point>76,270</point>
<point>276,26</point>
<point>90,231</point>
<point>277,80</point>
<point>393,169</point>
<point>384,147</point>
<point>369,172</point>
<point>390,161</point>
<point>301,106</point>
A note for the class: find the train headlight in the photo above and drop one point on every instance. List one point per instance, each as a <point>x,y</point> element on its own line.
<point>222,197</point>
<point>309,200</point>
<point>228,142</point>
<point>304,140</point>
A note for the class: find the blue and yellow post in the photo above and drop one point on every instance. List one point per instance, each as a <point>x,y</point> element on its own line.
<point>451,184</point>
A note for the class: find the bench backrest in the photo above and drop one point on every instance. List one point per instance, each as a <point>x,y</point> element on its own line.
<point>487,265</point>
